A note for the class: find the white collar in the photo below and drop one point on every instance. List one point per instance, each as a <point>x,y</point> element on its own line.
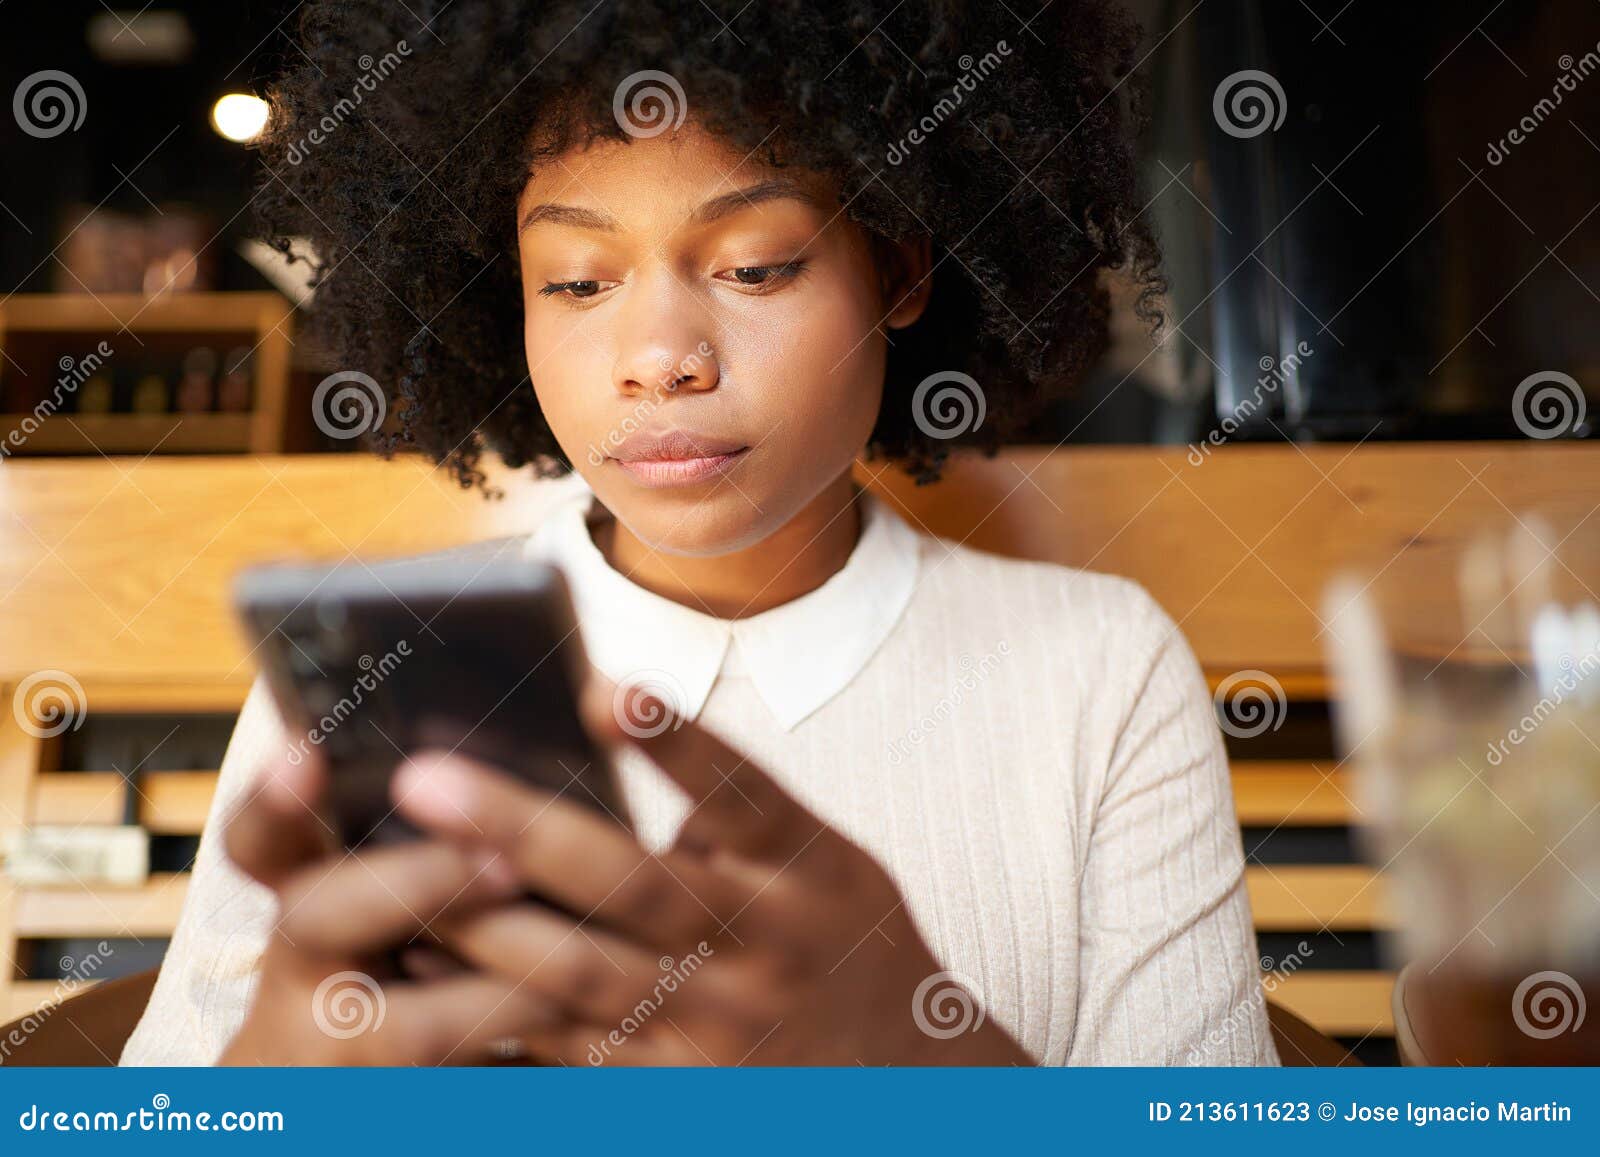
<point>798,655</point>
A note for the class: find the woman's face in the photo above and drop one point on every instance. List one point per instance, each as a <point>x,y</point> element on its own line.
<point>705,337</point>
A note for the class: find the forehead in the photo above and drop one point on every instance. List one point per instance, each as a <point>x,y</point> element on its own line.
<point>636,179</point>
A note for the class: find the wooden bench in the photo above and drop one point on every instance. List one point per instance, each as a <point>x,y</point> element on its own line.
<point>116,571</point>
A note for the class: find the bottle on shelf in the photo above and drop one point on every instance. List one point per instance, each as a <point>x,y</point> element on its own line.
<point>197,386</point>
<point>151,395</point>
<point>234,390</point>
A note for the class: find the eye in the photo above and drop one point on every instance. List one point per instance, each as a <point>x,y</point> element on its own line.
<point>578,290</point>
<point>763,276</point>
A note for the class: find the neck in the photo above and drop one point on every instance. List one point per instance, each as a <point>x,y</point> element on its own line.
<point>794,560</point>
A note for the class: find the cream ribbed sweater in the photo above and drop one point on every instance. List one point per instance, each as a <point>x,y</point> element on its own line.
<point>1031,752</point>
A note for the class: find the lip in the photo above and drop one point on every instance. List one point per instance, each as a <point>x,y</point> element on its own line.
<point>676,457</point>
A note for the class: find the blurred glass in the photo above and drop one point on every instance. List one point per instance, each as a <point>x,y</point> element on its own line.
<point>1469,706</point>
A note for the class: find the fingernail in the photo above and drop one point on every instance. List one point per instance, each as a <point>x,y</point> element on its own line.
<point>434,785</point>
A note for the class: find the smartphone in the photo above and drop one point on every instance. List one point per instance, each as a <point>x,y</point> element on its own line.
<point>468,651</point>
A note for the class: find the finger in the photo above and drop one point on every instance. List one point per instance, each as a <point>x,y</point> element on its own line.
<point>569,853</point>
<point>275,829</point>
<point>457,1021</point>
<point>593,975</point>
<point>594,1046</point>
<point>737,806</point>
<point>384,896</point>
<point>427,962</point>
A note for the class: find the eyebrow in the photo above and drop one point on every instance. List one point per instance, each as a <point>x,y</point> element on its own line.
<point>773,189</point>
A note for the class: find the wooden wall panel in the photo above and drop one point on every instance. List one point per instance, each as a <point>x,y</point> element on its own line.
<point>1237,548</point>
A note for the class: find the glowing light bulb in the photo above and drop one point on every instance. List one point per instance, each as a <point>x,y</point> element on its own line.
<point>239,116</point>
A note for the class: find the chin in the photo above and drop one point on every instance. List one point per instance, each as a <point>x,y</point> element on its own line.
<point>694,522</point>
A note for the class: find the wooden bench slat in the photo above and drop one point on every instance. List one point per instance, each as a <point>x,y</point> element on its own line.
<point>1310,897</point>
<point>1339,1003</point>
<point>149,910</point>
<point>174,802</point>
<point>1292,793</point>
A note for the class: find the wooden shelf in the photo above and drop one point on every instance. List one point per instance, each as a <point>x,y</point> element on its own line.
<point>74,910</point>
<point>264,319</point>
<point>132,433</point>
<point>1310,897</point>
<point>167,312</point>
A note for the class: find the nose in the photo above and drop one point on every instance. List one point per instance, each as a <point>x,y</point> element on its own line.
<point>665,344</point>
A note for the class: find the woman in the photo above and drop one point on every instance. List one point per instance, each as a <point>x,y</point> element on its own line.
<point>893,801</point>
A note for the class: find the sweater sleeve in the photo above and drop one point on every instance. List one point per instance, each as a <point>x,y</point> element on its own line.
<point>1169,972</point>
<point>208,974</point>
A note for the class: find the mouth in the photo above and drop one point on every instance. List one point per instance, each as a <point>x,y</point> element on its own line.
<point>677,457</point>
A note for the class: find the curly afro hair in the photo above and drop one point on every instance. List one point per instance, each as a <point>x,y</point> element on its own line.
<point>402,136</point>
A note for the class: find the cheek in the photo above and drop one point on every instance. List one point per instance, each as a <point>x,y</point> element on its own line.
<point>822,360</point>
<point>561,358</point>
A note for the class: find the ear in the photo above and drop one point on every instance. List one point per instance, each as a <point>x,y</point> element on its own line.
<point>905,271</point>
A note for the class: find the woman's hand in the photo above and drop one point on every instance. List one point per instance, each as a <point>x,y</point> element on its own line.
<point>763,936</point>
<point>324,998</point>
